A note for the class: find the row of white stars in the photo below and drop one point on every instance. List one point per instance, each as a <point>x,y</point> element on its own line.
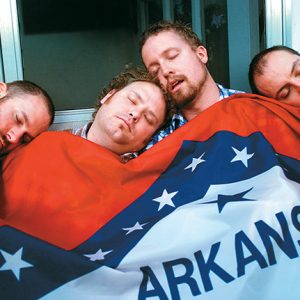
<point>100,254</point>
<point>14,262</point>
<point>242,156</point>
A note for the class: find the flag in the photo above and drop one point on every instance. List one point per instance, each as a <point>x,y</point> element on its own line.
<point>211,212</point>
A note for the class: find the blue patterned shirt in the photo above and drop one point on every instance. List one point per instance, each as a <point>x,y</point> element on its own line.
<point>178,119</point>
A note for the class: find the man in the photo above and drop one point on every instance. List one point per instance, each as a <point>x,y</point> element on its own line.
<point>26,110</point>
<point>131,109</point>
<point>275,73</point>
<point>174,54</point>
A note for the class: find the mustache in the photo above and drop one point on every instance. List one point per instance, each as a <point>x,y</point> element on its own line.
<point>175,78</point>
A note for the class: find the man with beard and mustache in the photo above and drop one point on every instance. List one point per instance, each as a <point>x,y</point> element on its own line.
<point>26,110</point>
<point>173,53</point>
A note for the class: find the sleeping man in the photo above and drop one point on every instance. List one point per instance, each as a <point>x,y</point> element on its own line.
<point>130,110</point>
<point>275,73</point>
<point>26,110</point>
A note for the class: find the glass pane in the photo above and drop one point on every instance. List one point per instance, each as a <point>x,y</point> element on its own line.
<point>262,24</point>
<point>216,39</point>
<point>154,11</point>
<point>182,11</point>
<point>73,48</point>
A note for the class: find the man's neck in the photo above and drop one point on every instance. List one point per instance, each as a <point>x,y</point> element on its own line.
<point>208,96</point>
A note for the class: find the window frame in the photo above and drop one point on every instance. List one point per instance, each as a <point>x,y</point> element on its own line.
<point>278,31</point>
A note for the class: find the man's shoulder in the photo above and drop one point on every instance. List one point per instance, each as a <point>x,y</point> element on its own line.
<point>226,92</point>
<point>176,121</point>
<point>81,131</point>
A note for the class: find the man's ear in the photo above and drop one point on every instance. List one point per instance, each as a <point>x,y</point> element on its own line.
<point>107,96</point>
<point>3,89</point>
<point>202,54</point>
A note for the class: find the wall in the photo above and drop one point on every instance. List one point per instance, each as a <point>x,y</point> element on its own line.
<point>242,26</point>
<point>73,67</point>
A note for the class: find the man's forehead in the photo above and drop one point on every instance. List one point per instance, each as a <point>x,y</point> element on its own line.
<point>142,87</point>
<point>25,98</point>
<point>147,92</point>
<point>280,55</point>
<point>161,44</point>
<point>35,109</point>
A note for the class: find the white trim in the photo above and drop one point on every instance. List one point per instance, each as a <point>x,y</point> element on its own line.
<point>274,26</point>
<point>287,22</point>
<point>10,41</point>
<point>71,119</point>
<point>1,64</point>
<point>75,115</point>
<point>295,25</point>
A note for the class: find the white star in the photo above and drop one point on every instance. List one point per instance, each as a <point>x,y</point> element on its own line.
<point>99,255</point>
<point>137,226</point>
<point>242,156</point>
<point>165,199</point>
<point>195,162</point>
<point>14,262</point>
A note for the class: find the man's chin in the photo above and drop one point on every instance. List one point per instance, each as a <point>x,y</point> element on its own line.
<point>181,97</point>
<point>183,101</point>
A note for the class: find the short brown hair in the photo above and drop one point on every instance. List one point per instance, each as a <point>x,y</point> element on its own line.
<point>183,30</point>
<point>21,87</point>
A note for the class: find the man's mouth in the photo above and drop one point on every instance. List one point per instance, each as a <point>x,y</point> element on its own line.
<point>126,121</point>
<point>174,86</point>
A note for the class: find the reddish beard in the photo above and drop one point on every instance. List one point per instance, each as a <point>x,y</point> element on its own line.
<point>188,92</point>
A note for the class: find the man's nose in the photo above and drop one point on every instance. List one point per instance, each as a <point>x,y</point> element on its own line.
<point>134,115</point>
<point>296,83</point>
<point>166,70</point>
<point>14,135</point>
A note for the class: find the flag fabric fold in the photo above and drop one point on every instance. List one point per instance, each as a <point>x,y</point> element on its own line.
<point>211,210</point>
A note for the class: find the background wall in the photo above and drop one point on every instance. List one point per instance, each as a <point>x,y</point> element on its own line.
<point>74,66</point>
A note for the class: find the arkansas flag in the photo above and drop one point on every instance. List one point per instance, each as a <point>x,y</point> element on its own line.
<point>211,212</point>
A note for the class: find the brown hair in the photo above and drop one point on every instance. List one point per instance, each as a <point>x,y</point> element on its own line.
<point>183,30</point>
<point>21,87</point>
